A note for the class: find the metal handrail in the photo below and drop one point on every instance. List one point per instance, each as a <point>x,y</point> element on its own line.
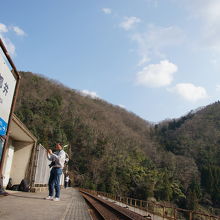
<point>155,208</point>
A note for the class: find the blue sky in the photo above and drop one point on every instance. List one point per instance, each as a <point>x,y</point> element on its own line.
<point>156,58</point>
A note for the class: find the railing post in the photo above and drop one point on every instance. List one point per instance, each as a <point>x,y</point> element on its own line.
<point>190,215</point>
<point>152,207</point>
<point>175,212</point>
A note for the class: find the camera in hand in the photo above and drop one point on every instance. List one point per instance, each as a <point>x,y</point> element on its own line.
<point>52,164</point>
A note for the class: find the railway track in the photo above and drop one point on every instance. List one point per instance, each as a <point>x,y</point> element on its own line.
<point>107,210</point>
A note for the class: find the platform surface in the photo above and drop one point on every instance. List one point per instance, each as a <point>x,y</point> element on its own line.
<point>26,206</point>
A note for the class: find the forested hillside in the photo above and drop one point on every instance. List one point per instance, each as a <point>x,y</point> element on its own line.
<point>114,150</point>
<point>197,136</point>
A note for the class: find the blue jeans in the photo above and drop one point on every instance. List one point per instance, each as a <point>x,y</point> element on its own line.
<point>54,182</point>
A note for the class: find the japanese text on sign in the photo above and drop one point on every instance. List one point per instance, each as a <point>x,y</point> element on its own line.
<point>7,88</point>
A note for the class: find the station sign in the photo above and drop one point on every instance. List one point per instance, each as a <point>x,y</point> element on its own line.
<point>7,89</point>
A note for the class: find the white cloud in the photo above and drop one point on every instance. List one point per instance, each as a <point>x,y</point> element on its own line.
<point>18,31</point>
<point>3,28</point>
<point>91,94</point>
<point>8,44</point>
<point>122,106</point>
<point>207,10</point>
<point>144,60</point>
<point>155,39</point>
<point>157,75</point>
<point>207,13</point>
<point>129,22</point>
<point>107,10</point>
<point>190,92</point>
<point>218,88</point>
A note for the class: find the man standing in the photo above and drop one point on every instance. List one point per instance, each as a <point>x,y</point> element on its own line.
<point>57,164</point>
<point>67,179</point>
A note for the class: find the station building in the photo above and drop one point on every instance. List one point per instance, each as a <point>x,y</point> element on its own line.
<point>18,161</point>
<point>24,159</point>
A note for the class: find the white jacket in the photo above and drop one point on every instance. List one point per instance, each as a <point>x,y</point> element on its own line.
<point>58,157</point>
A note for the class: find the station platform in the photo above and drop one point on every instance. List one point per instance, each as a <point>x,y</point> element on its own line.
<point>26,206</point>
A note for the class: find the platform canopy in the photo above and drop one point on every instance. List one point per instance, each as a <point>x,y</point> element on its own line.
<point>19,132</point>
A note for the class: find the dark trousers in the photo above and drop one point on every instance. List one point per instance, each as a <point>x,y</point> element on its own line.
<point>54,182</point>
<point>66,184</point>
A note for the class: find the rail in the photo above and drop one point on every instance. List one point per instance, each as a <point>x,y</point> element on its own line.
<point>107,210</point>
<point>156,209</point>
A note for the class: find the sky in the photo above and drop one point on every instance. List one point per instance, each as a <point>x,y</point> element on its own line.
<point>156,58</point>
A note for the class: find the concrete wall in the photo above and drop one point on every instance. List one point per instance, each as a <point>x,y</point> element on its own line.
<point>8,163</point>
<point>21,161</point>
<point>19,154</point>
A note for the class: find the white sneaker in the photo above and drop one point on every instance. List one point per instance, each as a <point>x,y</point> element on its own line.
<point>56,199</point>
<point>49,198</point>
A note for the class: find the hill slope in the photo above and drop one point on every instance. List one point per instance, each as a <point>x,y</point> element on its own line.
<point>116,151</point>
<point>197,136</point>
